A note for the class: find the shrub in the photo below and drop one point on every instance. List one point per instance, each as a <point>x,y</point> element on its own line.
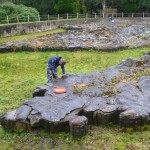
<point>12,11</point>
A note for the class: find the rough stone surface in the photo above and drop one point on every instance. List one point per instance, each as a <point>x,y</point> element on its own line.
<point>99,35</point>
<point>102,97</point>
<point>79,126</point>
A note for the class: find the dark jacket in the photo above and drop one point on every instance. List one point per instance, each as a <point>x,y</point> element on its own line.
<point>53,63</point>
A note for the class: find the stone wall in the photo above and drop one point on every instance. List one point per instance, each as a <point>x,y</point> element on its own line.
<point>17,29</point>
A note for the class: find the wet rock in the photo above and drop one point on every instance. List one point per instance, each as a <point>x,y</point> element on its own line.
<point>10,122</point>
<point>106,117</point>
<point>40,91</point>
<point>112,72</point>
<point>129,62</point>
<point>144,86</point>
<point>93,92</point>
<point>132,118</point>
<point>79,126</point>
<point>35,119</point>
<point>99,112</point>
<point>69,27</point>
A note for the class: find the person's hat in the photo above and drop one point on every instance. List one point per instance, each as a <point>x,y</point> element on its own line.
<point>63,61</point>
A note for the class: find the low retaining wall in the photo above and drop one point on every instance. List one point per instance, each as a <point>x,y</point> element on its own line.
<point>17,29</point>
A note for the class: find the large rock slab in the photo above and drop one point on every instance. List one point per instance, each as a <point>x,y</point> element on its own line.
<point>119,95</point>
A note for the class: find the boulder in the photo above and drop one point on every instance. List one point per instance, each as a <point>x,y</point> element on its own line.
<point>99,97</point>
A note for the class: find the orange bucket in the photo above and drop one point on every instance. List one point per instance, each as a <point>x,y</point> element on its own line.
<point>59,90</point>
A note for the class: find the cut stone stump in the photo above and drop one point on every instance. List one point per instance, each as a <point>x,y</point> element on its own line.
<point>79,126</point>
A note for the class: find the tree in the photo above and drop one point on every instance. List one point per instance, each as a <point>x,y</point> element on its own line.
<point>144,5</point>
<point>130,6</point>
<point>93,5</point>
<point>72,6</point>
<point>103,2</point>
<point>43,6</point>
<point>2,1</point>
<point>66,6</point>
<point>81,6</point>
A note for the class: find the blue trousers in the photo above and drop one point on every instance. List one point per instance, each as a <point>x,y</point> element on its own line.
<point>50,74</point>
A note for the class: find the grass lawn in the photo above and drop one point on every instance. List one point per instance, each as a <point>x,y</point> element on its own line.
<point>21,72</point>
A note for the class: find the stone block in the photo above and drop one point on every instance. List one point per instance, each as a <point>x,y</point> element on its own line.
<point>79,126</point>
